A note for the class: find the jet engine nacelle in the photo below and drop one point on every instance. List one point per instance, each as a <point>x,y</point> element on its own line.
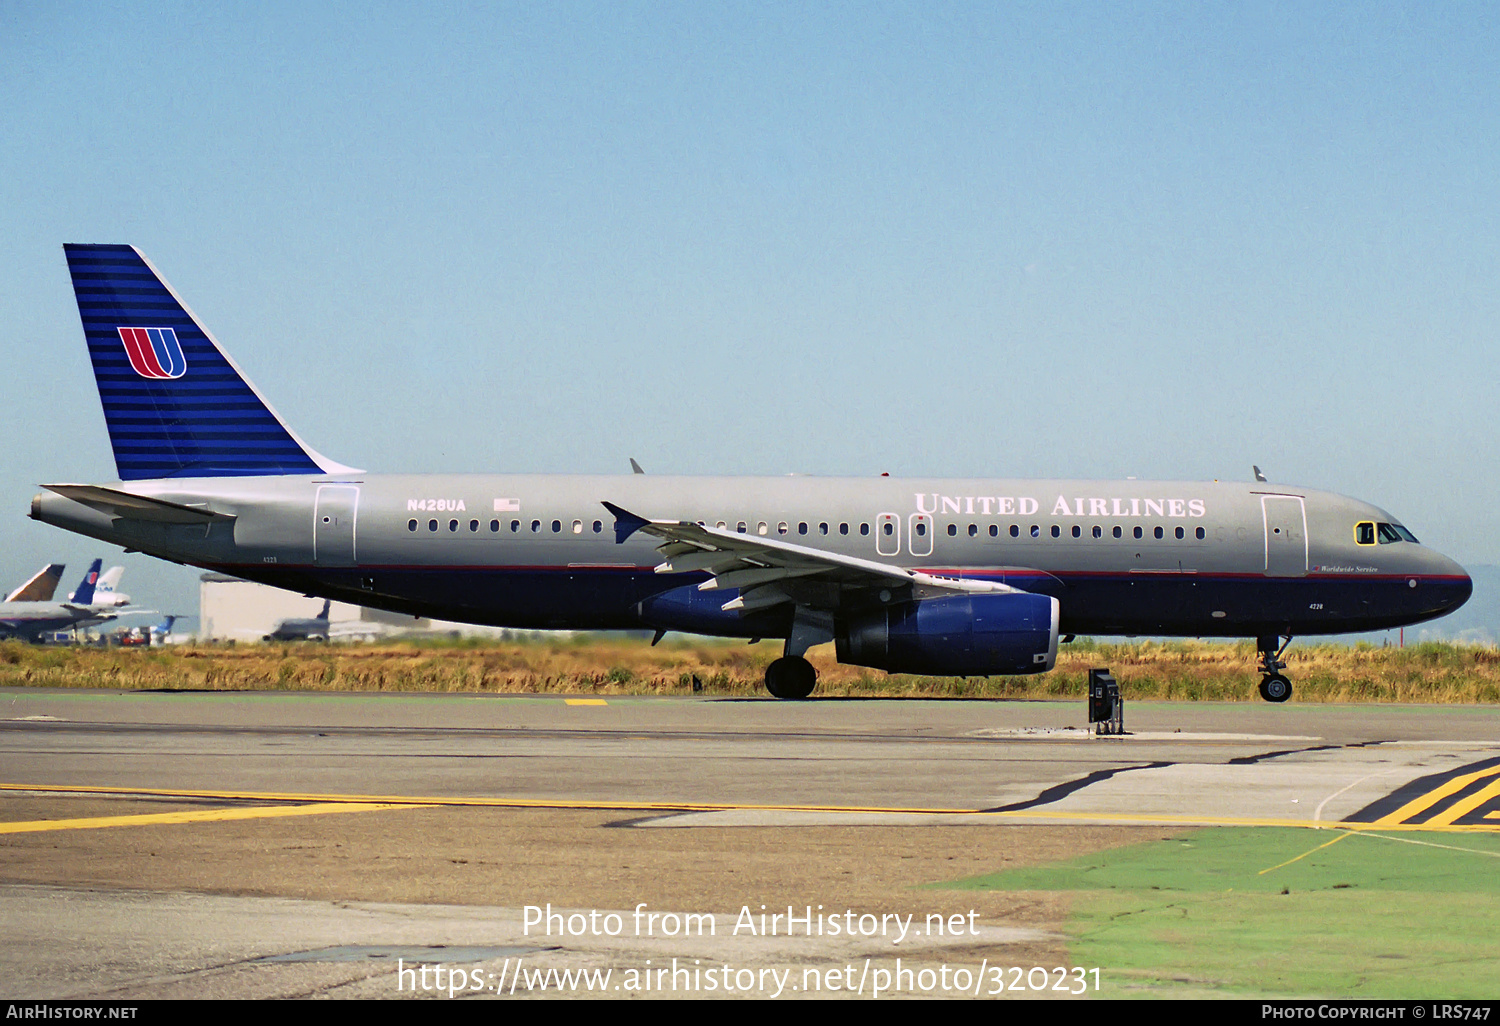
<point>961,636</point>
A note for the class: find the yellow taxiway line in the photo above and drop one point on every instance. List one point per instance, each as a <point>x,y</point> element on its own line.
<point>358,802</point>
<point>192,816</point>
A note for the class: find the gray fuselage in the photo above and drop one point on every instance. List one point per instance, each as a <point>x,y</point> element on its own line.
<point>1121,557</point>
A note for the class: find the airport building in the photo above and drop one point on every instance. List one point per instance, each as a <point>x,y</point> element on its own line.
<point>231,609</point>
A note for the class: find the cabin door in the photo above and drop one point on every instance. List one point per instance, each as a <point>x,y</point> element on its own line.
<point>333,525</point>
<point>1286,535</point>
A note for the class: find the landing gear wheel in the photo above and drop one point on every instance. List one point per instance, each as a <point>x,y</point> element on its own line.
<point>1275,688</point>
<point>791,677</point>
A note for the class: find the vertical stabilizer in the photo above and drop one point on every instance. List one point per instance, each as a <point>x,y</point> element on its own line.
<point>83,595</point>
<point>175,403</point>
<point>41,587</point>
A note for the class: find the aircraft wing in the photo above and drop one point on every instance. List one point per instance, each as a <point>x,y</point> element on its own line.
<point>768,572</point>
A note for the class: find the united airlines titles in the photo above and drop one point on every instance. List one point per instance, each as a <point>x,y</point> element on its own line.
<point>1066,506</point>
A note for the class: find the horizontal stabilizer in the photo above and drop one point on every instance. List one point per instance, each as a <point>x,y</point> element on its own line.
<point>116,503</point>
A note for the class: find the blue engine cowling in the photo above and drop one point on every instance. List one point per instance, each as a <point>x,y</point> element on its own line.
<point>961,636</point>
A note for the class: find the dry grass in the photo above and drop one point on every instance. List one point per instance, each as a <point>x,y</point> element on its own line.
<point>610,665</point>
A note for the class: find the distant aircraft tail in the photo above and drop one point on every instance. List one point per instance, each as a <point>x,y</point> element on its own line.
<point>104,589</point>
<point>83,595</point>
<point>323,613</point>
<point>41,587</point>
<point>175,403</point>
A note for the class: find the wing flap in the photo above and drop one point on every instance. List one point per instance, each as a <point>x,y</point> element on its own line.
<point>759,566</point>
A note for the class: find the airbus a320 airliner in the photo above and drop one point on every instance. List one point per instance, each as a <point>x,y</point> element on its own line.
<point>929,576</point>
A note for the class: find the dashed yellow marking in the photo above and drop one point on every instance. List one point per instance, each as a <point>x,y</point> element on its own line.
<point>1422,803</point>
<point>584,701</point>
<point>1467,805</point>
<point>193,816</point>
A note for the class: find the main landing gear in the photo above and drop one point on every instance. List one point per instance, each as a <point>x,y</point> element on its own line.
<point>1274,687</point>
<point>791,677</point>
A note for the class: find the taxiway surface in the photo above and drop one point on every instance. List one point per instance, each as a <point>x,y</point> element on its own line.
<point>306,823</point>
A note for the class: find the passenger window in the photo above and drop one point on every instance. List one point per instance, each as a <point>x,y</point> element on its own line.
<point>1179,533</point>
<point>973,530</point>
<point>1015,531</point>
<point>994,530</point>
<point>557,527</point>
<point>473,526</point>
<point>1056,531</point>
<point>781,528</point>
<point>1036,532</point>
<point>952,530</point>
<point>1158,533</point>
<point>864,529</point>
<point>1364,533</point>
<point>921,529</point>
<point>453,525</point>
<point>432,525</point>
<point>536,527</point>
<point>822,528</point>
<point>1118,532</point>
<point>1077,531</point>
<point>720,525</point>
<point>494,526</point>
<point>1200,534</point>
<point>887,528</point>
<point>843,529</point>
<point>515,525</point>
<point>1137,532</point>
<point>599,526</point>
<point>411,525</point>
<point>801,528</point>
<point>578,527</point>
<point>741,528</point>
<point>1098,531</point>
<point>761,528</point>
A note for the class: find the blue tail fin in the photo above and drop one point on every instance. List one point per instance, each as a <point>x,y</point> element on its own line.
<point>83,595</point>
<point>175,404</point>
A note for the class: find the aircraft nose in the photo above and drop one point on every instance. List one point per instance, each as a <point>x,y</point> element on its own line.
<point>1451,582</point>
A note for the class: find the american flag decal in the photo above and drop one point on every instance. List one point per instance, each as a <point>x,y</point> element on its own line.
<point>154,352</point>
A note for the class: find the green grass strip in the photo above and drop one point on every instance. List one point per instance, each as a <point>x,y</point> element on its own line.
<point>1264,912</point>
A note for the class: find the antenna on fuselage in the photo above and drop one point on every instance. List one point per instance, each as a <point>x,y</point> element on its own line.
<point>1258,475</point>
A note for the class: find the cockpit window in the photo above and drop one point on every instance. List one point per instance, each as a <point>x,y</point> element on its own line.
<point>1393,533</point>
<point>1364,533</point>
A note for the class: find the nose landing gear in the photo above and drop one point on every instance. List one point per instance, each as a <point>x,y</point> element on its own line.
<point>1274,687</point>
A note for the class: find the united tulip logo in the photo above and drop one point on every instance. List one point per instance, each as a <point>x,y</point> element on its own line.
<point>154,352</point>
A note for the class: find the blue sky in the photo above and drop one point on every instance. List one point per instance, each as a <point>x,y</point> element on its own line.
<point>1078,240</point>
